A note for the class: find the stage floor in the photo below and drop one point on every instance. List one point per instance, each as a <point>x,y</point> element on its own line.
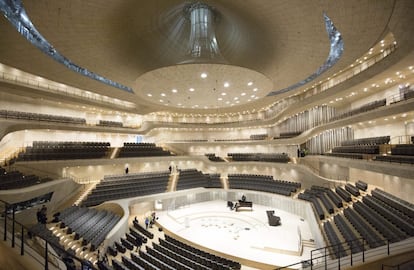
<point>244,234</point>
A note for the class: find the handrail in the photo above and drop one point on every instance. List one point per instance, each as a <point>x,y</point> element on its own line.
<point>24,231</point>
<point>397,266</point>
<point>325,260</point>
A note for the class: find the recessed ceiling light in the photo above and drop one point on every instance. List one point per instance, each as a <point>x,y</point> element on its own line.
<point>252,96</point>
<point>174,90</point>
<point>249,100</point>
<point>220,98</point>
<point>179,104</point>
<point>227,102</point>
<point>243,94</point>
<point>163,94</point>
<point>250,83</point>
<point>236,98</point>
<point>255,89</point>
<point>226,84</point>
<point>256,97</point>
<point>191,89</point>
<point>161,100</point>
<point>150,95</point>
<point>203,75</point>
<point>223,94</point>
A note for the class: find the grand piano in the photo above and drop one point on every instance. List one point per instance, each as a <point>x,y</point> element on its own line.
<point>243,204</point>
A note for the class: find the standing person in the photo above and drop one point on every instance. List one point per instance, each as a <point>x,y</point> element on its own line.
<point>146,223</point>
<point>43,214</point>
<point>126,170</point>
<point>139,243</point>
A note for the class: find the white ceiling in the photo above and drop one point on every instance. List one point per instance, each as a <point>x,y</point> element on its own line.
<point>133,42</point>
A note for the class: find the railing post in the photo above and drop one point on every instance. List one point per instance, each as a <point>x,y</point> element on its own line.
<point>388,247</point>
<point>311,260</point>
<point>13,225</point>
<point>338,253</point>
<point>5,222</point>
<point>46,258</point>
<point>22,242</point>
<point>350,246</point>
<point>363,250</point>
<point>326,264</point>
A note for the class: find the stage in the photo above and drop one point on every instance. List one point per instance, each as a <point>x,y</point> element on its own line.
<point>245,234</point>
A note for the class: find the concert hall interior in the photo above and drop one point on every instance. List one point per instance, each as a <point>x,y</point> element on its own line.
<point>184,134</point>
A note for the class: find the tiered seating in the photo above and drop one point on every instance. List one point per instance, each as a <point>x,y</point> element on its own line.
<point>360,149</point>
<point>376,220</point>
<point>64,150</point>
<point>368,141</point>
<point>361,185</point>
<point>403,206</point>
<point>106,123</point>
<point>214,180</point>
<point>43,232</point>
<point>357,148</point>
<point>344,194</point>
<point>264,183</point>
<point>15,179</point>
<point>130,264</point>
<point>193,264</point>
<point>352,189</point>
<point>391,214</point>
<point>142,230</point>
<point>402,153</point>
<point>259,136</point>
<point>191,178</point>
<point>89,224</point>
<point>263,157</point>
<point>364,108</point>
<point>322,194</point>
<point>312,196</point>
<point>206,259</point>
<point>389,232</point>
<point>286,135</point>
<point>408,95</point>
<point>348,234</point>
<point>41,117</point>
<point>142,150</point>
<point>336,245</point>
<point>370,236</point>
<point>213,157</point>
<point>345,155</point>
<point>126,186</point>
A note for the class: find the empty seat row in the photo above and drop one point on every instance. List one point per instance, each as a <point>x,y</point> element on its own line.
<point>397,159</point>
<point>367,141</point>
<point>335,243</point>
<point>360,149</point>
<point>398,203</point>
<point>41,117</point>
<point>391,214</point>
<point>364,108</point>
<point>365,231</point>
<point>261,157</point>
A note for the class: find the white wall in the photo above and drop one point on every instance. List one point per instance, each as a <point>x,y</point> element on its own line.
<point>393,128</point>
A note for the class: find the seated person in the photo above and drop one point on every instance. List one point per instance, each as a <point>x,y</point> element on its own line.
<point>243,198</point>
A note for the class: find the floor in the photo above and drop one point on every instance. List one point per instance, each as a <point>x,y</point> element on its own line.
<point>244,234</point>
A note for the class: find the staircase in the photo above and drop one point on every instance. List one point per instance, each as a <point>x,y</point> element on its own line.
<point>85,192</point>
